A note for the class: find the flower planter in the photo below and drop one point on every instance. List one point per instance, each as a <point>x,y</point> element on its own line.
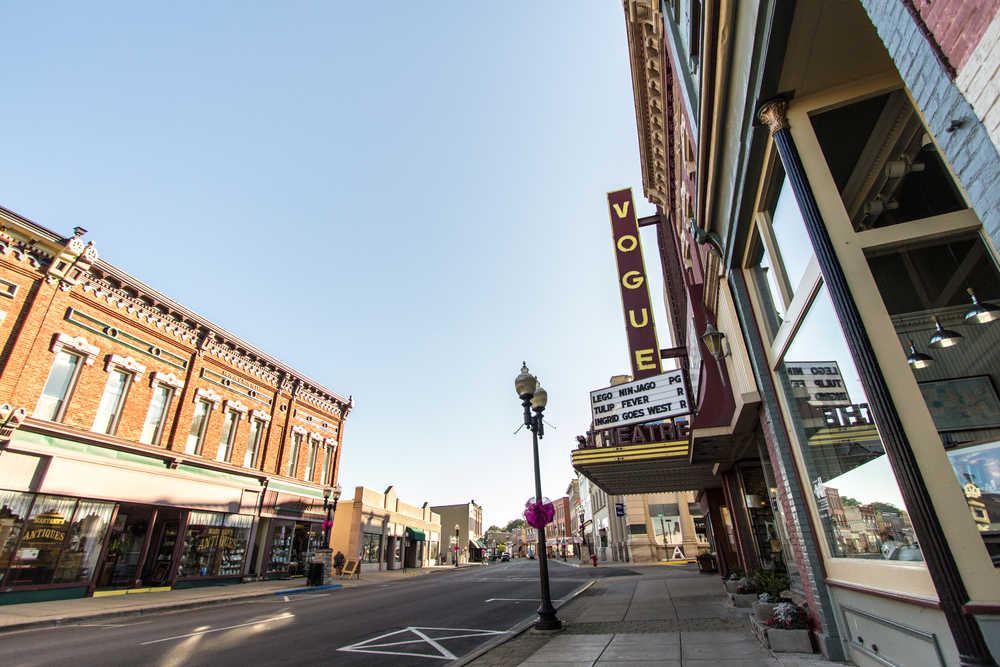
<point>745,600</point>
<point>790,641</point>
<point>762,611</point>
<point>732,585</point>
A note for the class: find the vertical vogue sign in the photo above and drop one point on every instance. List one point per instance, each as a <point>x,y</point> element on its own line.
<point>644,351</point>
<point>644,400</point>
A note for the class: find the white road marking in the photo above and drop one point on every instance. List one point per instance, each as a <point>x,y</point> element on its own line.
<point>369,646</point>
<point>231,627</point>
<point>286,598</point>
<point>518,600</point>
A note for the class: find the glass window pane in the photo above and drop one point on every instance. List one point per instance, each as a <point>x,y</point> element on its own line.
<point>201,555</point>
<point>311,463</point>
<point>226,438</point>
<point>111,402</point>
<point>57,386</point>
<point>13,513</point>
<point>197,428</point>
<point>852,483</point>
<point>930,279</point>
<point>42,541</point>
<point>293,457</point>
<point>794,247</point>
<point>250,458</point>
<point>152,429</point>
<point>86,537</point>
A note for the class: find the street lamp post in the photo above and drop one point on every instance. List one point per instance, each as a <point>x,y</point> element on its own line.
<point>457,528</point>
<point>533,396</point>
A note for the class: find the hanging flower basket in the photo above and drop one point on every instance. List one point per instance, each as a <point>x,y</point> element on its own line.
<point>539,514</point>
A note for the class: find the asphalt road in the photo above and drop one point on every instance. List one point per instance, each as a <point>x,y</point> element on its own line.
<point>424,620</point>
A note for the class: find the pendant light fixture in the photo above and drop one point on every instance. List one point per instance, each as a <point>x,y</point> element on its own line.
<point>919,359</point>
<point>980,313</point>
<point>944,337</point>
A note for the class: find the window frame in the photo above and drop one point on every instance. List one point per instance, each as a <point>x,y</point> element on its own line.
<point>200,442</point>
<point>294,451</point>
<point>119,408</point>
<point>60,412</point>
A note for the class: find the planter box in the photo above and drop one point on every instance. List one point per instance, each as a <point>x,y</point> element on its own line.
<point>731,585</point>
<point>762,611</point>
<point>790,641</point>
<point>744,600</point>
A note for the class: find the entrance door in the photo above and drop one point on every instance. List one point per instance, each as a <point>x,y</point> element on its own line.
<point>128,534</point>
<point>160,558</point>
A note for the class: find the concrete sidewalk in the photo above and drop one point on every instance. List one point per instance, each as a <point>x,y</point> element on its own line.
<point>34,615</point>
<point>668,617</point>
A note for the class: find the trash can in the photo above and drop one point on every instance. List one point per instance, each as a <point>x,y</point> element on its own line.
<point>315,576</point>
<point>706,563</point>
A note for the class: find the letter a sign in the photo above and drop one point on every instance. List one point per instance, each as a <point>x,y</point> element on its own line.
<point>644,351</point>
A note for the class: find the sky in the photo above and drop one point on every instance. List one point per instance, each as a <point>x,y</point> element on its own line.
<point>402,201</point>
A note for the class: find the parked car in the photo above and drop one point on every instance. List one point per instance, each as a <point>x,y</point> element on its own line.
<point>504,558</point>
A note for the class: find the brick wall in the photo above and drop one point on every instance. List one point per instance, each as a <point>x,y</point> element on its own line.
<point>119,318</point>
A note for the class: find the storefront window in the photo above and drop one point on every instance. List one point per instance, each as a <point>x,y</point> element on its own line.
<point>215,545</point>
<point>41,541</point>
<point>850,478</point>
<point>281,546</point>
<point>86,536</point>
<point>958,380</point>
<point>308,538</point>
<point>666,523</point>
<point>371,547</point>
<point>13,512</point>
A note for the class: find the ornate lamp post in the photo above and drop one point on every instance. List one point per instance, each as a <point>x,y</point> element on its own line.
<point>457,528</point>
<point>533,396</point>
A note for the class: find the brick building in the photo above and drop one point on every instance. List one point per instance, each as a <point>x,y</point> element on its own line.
<point>144,446</point>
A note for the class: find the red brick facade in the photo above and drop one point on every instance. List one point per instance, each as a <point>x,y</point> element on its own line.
<point>123,318</point>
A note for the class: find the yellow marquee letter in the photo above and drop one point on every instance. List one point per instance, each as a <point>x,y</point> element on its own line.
<point>632,280</point>
<point>644,360</point>
<point>622,212</point>
<point>630,241</point>
<point>645,319</point>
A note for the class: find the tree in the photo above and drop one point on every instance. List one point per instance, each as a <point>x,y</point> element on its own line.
<point>494,529</point>
<point>847,501</point>
<point>516,523</point>
<point>886,507</point>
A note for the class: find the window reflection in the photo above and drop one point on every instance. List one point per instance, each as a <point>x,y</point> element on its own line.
<point>852,483</point>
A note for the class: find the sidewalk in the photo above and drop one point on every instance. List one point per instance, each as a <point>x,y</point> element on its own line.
<point>668,617</point>
<point>33,615</point>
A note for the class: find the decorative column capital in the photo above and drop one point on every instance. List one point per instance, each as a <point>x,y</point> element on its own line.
<point>774,115</point>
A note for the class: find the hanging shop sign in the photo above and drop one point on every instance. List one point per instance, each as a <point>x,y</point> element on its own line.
<point>644,350</point>
<point>645,400</point>
<point>820,379</point>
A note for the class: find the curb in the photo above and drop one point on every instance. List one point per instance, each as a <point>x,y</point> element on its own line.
<point>514,631</point>
<point>308,589</point>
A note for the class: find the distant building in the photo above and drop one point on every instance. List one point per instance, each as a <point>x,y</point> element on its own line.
<point>469,546</point>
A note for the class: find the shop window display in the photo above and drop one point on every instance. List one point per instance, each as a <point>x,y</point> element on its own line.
<point>371,547</point>
<point>86,536</point>
<point>851,482</point>
<point>42,540</point>
<point>215,545</point>
<point>281,546</point>
<point>14,508</point>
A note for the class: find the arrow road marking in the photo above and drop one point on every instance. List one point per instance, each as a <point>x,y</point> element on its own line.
<point>369,646</point>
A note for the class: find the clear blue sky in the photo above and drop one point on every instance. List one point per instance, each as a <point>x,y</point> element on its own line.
<point>403,201</point>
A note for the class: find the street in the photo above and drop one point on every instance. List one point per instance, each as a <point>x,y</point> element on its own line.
<point>421,620</point>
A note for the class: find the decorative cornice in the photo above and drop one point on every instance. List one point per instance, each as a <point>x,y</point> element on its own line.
<point>330,442</point>
<point>315,436</point>
<point>78,344</point>
<point>299,429</point>
<point>127,363</point>
<point>647,54</point>
<point>168,379</point>
<point>774,115</point>
<point>261,415</point>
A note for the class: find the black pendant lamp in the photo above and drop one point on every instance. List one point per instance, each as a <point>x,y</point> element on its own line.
<point>919,359</point>
<point>981,313</point>
<point>944,337</point>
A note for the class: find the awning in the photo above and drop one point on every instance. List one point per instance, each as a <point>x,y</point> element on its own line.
<point>414,534</point>
<point>649,468</point>
<point>481,544</point>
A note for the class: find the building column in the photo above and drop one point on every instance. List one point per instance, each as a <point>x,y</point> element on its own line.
<point>690,542</point>
<point>941,565</point>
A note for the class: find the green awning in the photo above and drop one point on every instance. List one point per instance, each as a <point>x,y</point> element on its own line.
<point>414,534</point>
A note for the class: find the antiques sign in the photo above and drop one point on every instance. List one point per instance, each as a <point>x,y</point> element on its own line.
<point>649,399</point>
<point>644,350</point>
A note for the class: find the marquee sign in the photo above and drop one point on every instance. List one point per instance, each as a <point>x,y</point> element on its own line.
<point>822,379</point>
<point>644,350</point>
<point>649,399</point>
